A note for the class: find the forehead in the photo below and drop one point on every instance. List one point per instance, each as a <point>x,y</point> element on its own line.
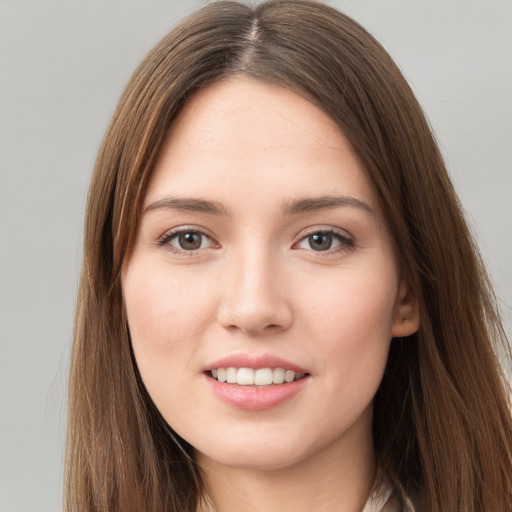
<point>255,138</point>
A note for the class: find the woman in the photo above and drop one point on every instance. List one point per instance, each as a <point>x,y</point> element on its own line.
<point>281,305</point>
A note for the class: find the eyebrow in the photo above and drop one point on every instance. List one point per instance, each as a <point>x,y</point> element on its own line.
<point>293,207</point>
<point>189,204</point>
<point>314,204</point>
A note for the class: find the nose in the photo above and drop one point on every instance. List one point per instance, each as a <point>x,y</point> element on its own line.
<point>254,297</point>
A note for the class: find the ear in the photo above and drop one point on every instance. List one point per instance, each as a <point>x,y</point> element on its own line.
<point>407,314</point>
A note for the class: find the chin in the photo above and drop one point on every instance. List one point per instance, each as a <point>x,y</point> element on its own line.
<point>254,459</point>
<point>261,453</point>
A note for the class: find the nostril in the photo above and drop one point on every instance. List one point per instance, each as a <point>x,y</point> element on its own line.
<point>249,311</point>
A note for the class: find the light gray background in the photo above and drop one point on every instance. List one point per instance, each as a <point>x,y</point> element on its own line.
<point>63,65</point>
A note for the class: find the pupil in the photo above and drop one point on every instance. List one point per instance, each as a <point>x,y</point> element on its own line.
<point>320,241</point>
<point>190,241</point>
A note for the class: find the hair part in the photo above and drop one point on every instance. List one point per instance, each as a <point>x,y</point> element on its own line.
<point>442,424</point>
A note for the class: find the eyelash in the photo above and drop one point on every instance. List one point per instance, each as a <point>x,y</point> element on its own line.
<point>345,242</point>
<point>166,238</point>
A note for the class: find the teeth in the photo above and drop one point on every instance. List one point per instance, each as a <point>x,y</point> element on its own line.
<point>263,377</point>
<point>278,375</point>
<point>245,377</point>
<point>251,377</point>
<point>289,376</point>
<point>231,375</point>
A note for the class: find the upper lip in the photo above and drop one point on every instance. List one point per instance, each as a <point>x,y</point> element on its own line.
<point>255,362</point>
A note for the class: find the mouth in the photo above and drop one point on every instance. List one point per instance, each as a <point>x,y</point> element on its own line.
<point>256,378</point>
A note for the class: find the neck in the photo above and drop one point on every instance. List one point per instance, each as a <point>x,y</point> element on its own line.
<point>337,478</point>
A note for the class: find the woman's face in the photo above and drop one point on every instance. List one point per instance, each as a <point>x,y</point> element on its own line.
<point>262,255</point>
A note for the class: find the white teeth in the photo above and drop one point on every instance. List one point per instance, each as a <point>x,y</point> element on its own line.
<point>263,377</point>
<point>278,375</point>
<point>259,377</point>
<point>245,377</point>
<point>231,375</point>
<point>289,376</point>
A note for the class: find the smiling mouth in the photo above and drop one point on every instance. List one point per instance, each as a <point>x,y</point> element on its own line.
<point>260,377</point>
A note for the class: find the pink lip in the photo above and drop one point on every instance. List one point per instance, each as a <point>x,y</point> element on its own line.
<point>253,398</point>
<point>255,362</point>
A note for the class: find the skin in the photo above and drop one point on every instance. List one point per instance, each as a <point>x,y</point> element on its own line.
<point>256,286</point>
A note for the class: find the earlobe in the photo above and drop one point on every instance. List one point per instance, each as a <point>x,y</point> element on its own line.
<point>407,315</point>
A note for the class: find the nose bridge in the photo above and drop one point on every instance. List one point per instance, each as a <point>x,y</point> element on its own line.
<point>256,278</point>
<point>254,298</point>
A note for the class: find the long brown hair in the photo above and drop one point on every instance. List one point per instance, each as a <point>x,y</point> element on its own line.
<point>442,421</point>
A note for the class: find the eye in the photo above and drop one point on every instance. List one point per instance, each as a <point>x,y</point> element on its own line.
<point>322,241</point>
<point>186,240</point>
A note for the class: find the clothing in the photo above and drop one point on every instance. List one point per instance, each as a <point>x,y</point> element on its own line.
<point>385,498</point>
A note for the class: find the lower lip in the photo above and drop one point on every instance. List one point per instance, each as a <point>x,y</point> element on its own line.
<point>253,398</point>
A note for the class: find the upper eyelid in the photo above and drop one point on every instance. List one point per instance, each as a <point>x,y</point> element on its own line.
<point>343,233</point>
<point>301,235</point>
<point>165,241</point>
<point>185,229</point>
<point>346,241</point>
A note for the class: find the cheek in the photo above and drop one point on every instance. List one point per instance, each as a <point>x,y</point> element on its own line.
<point>166,316</point>
<point>352,300</point>
<point>350,319</point>
<point>160,304</point>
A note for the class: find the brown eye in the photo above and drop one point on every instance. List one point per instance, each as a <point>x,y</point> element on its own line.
<point>325,241</point>
<point>189,241</point>
<point>320,241</point>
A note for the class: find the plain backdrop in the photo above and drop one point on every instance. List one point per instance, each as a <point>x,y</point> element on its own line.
<point>63,65</point>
